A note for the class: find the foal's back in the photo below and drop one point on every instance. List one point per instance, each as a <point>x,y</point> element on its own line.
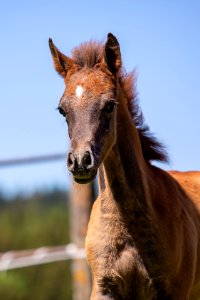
<point>190,182</point>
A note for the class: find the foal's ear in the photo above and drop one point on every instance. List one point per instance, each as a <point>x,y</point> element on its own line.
<point>112,55</point>
<point>61,62</point>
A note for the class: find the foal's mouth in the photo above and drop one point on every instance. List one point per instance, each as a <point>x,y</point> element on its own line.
<point>84,179</point>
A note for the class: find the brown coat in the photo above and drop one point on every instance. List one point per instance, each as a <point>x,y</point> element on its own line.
<point>144,231</point>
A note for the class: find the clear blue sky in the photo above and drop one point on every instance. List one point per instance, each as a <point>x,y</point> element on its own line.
<point>160,38</point>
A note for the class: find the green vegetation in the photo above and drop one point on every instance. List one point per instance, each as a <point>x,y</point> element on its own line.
<point>31,222</point>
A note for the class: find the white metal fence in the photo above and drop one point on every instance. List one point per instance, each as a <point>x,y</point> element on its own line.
<point>25,258</point>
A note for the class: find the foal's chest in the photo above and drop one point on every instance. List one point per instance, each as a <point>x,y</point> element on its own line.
<point>115,261</point>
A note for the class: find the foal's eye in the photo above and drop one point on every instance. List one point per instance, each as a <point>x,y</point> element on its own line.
<point>110,106</point>
<point>61,111</point>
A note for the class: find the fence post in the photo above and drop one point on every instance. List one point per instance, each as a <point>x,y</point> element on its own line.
<point>81,200</point>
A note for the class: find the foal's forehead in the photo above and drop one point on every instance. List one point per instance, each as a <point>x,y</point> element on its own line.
<point>92,83</point>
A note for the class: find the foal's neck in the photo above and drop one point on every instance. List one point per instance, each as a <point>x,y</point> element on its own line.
<point>122,173</point>
<point>124,192</point>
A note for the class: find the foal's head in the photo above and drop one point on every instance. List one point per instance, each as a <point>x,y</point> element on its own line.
<point>89,103</point>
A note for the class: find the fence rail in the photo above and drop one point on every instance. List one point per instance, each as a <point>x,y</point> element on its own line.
<point>30,160</point>
<point>26,258</point>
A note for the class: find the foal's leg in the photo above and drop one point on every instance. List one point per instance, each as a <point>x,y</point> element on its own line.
<point>172,298</point>
<point>180,294</point>
<point>163,296</point>
<point>98,296</point>
<point>101,297</point>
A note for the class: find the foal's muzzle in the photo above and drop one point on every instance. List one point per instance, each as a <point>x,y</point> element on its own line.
<point>82,166</point>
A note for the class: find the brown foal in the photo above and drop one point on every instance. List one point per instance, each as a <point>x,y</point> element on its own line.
<point>143,235</point>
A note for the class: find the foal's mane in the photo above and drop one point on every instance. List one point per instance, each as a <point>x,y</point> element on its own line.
<point>90,54</point>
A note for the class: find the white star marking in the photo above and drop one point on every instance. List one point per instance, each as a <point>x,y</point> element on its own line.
<point>79,91</point>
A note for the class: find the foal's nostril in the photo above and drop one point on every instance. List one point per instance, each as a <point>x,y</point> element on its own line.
<point>87,160</point>
<point>70,160</point>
